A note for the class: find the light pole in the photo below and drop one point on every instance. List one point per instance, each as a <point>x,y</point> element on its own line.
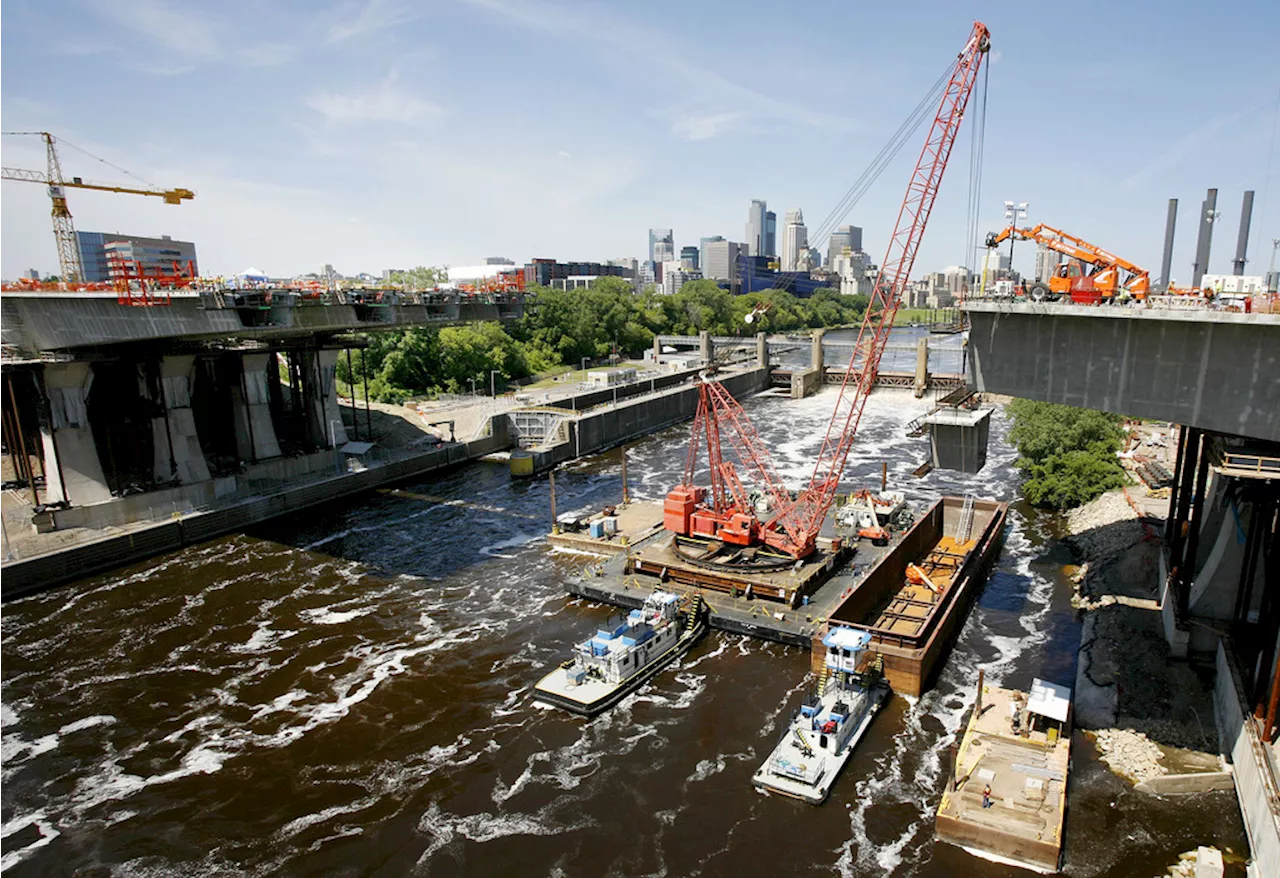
<point>493,372</point>
<point>1014,213</point>
<point>584,369</point>
<point>473,386</point>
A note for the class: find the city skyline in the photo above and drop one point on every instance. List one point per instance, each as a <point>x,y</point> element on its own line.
<point>372,156</point>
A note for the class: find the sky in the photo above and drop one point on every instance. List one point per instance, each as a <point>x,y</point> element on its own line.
<point>375,134</point>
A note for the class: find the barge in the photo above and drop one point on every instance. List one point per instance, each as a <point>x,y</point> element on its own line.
<point>914,601</point>
<point>1006,799</point>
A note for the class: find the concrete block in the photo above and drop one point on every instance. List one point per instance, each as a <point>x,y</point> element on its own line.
<point>1208,862</point>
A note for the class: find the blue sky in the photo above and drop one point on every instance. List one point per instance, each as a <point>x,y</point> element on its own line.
<point>374,134</point>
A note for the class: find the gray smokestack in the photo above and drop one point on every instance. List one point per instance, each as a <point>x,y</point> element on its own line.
<point>1242,242</point>
<point>1167,262</point>
<point>1204,240</point>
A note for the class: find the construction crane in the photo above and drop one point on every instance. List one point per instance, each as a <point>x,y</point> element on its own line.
<point>64,230</point>
<point>1107,275</point>
<point>795,523</point>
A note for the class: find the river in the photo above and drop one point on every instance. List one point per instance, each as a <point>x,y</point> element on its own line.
<point>346,692</point>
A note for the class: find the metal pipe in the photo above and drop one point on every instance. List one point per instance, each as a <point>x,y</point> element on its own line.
<point>1248,569</point>
<point>1193,539</point>
<point>1166,262</point>
<point>1242,241</point>
<point>22,442</point>
<point>364,368</point>
<point>555,525</point>
<point>1204,240</point>
<point>626,498</point>
<point>1270,725</point>
<point>14,460</point>
<point>248,412</point>
<point>1176,514</point>
<point>355,414</point>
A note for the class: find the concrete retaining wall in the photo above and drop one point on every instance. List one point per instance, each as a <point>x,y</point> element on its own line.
<point>1180,784</point>
<point>1255,782</point>
<point>40,572</point>
<point>598,431</point>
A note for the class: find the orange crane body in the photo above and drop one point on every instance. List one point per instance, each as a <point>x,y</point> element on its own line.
<point>1110,275</point>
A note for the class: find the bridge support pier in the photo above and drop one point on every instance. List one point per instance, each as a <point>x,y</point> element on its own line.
<point>319,378</point>
<point>181,457</point>
<point>816,354</point>
<point>73,472</point>
<point>922,366</point>
<point>704,347</point>
<point>762,350</point>
<point>255,432</point>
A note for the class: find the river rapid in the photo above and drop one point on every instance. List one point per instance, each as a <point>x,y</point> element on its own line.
<point>347,692</point>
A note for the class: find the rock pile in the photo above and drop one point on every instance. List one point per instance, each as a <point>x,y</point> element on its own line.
<point>1104,527</point>
<point>1130,754</point>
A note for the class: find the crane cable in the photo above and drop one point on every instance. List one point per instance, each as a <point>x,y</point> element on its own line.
<point>977,146</point>
<point>882,159</point>
<point>64,142</point>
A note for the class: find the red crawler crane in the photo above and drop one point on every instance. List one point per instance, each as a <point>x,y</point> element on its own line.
<point>795,524</point>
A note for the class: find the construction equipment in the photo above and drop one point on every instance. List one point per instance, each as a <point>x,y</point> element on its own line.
<point>1089,275</point>
<point>64,231</point>
<point>795,522</point>
<point>860,516</point>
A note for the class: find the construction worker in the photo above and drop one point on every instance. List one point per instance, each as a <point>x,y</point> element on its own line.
<point>986,796</point>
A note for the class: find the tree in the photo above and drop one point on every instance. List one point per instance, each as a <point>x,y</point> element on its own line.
<point>421,278</point>
<point>1067,455</point>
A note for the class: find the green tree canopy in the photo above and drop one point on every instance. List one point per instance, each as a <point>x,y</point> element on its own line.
<point>1067,455</point>
<point>562,327</point>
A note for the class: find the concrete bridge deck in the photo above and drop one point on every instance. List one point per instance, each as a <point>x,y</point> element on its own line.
<point>35,322</point>
<point>1213,370</point>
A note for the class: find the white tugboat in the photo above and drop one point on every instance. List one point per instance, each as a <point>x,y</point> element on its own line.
<point>623,654</point>
<point>821,735</point>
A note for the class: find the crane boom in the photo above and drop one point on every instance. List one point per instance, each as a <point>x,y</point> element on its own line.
<point>802,520</point>
<point>64,230</point>
<point>1106,264</point>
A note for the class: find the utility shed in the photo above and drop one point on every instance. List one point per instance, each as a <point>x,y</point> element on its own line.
<point>958,438</point>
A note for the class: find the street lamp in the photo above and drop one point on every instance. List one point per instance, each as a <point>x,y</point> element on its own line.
<point>493,372</point>
<point>473,386</point>
<point>584,369</point>
<point>1014,213</point>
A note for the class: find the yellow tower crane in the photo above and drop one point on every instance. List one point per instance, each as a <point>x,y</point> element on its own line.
<point>64,230</point>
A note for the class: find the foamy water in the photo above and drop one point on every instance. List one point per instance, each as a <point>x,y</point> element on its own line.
<point>351,691</point>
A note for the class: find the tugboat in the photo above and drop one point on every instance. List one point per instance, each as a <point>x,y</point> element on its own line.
<point>624,654</point>
<point>821,735</point>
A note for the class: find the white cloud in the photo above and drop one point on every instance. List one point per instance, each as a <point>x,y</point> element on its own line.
<point>385,102</point>
<point>585,27</point>
<point>182,31</point>
<point>703,126</point>
<point>355,18</point>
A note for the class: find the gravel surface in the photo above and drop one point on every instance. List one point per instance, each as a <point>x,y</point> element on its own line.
<point>1141,704</point>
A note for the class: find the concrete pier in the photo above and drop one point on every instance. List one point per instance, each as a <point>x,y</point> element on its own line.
<point>72,466</point>
<point>183,441</point>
